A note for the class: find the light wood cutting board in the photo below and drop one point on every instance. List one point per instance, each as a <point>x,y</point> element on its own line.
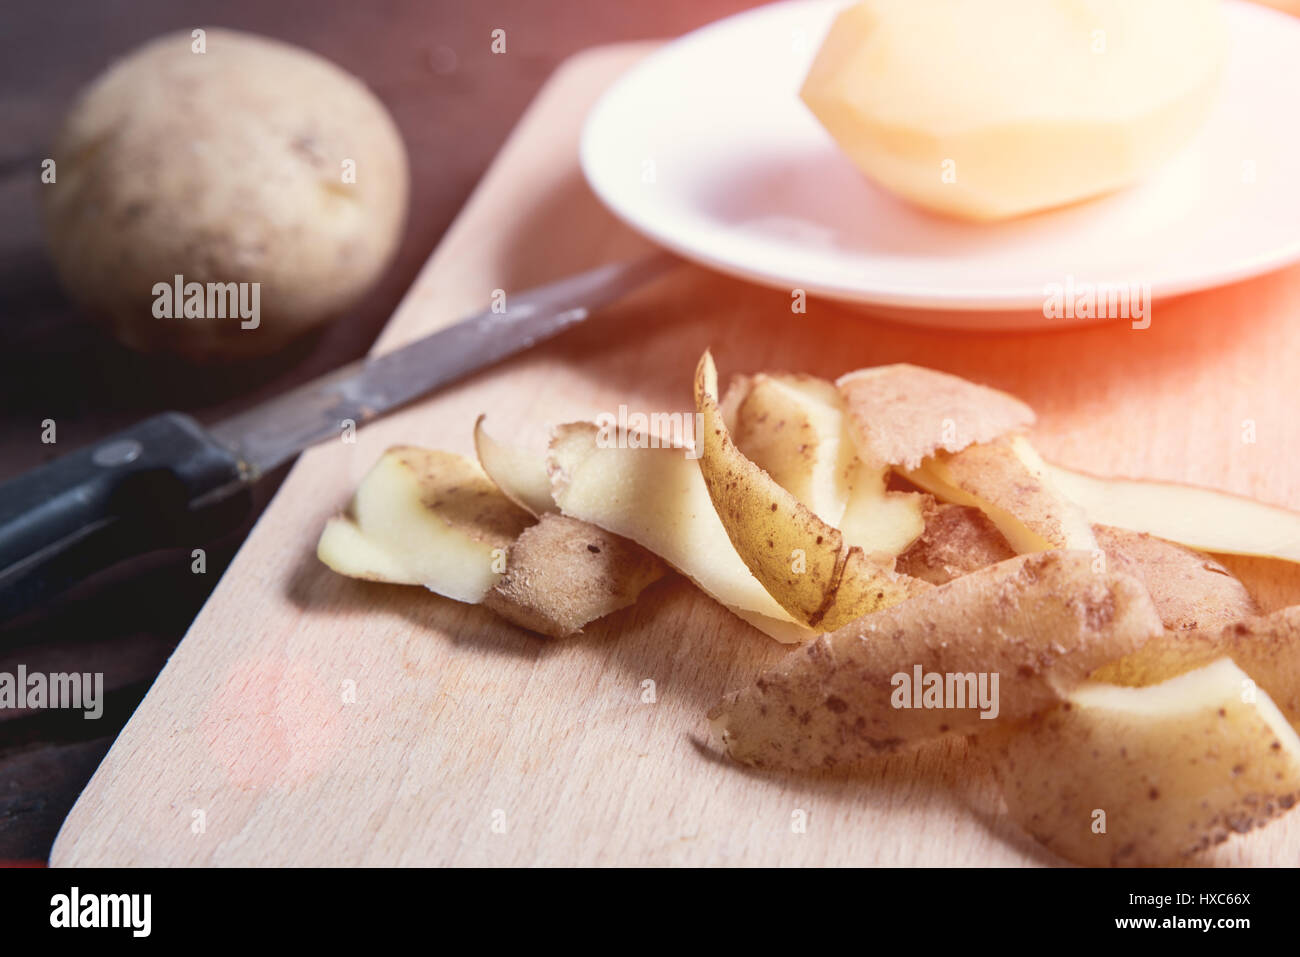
<point>309,719</point>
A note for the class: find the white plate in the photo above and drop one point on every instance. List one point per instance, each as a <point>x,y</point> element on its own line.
<point>706,148</point>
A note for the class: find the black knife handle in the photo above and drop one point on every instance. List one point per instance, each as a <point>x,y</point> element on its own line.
<point>121,496</point>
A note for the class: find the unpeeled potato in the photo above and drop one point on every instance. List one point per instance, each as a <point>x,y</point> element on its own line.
<point>246,161</point>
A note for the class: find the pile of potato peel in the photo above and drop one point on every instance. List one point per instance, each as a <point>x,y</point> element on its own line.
<point>899,522</point>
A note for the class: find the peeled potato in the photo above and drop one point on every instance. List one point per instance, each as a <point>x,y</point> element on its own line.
<point>1035,625</point>
<point>995,109</point>
<point>1149,776</point>
<point>1200,518</point>
<point>425,517</point>
<point>799,559</point>
<point>1008,481</point>
<point>901,414</point>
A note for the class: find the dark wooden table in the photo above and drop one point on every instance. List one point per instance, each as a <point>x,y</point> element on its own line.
<point>455,102</point>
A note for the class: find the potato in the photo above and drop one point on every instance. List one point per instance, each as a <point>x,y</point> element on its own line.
<point>958,540</point>
<point>1008,481</point>
<point>793,428</point>
<point>1034,627</point>
<point>1266,647</point>
<point>798,558</point>
<point>520,476</point>
<point>996,109</point>
<point>901,414</point>
<point>1199,518</point>
<point>562,573</point>
<point>425,517</point>
<point>250,162</point>
<point>1190,589</point>
<point>657,498</point>
<point>1149,776</point>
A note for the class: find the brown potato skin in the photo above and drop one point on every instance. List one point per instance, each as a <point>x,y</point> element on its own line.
<point>902,414</point>
<point>1191,590</point>
<point>958,540</point>
<point>1042,622</point>
<point>563,573</point>
<point>1170,785</point>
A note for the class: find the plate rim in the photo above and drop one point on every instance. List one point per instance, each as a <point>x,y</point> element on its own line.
<point>951,298</point>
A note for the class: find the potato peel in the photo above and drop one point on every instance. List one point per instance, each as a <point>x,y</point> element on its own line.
<point>435,518</point>
<point>1041,623</point>
<point>901,414</point>
<point>1008,481</point>
<point>657,498</point>
<point>798,558</point>
<point>521,477</point>
<point>1266,647</point>
<point>1152,775</point>
<point>1201,518</point>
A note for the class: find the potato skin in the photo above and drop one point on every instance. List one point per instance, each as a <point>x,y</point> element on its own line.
<point>958,540</point>
<point>224,166</point>
<point>1167,770</point>
<point>1041,622</point>
<point>1266,647</point>
<point>1191,590</point>
<point>562,574</point>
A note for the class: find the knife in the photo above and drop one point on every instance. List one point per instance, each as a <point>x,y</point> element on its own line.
<point>168,479</point>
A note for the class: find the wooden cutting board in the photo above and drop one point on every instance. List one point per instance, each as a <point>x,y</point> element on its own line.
<point>309,719</point>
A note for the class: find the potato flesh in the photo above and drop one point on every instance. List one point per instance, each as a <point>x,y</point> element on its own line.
<point>799,559</point>
<point>1266,647</point>
<point>1175,768</point>
<point>878,520</point>
<point>793,427</point>
<point>797,437</point>
<point>992,110</point>
<point>1041,622</point>
<point>437,517</point>
<point>657,498</point>
<point>1199,518</point>
<point>1009,482</point>
<point>520,475</point>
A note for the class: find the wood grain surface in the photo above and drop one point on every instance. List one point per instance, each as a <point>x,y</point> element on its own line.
<point>472,742</point>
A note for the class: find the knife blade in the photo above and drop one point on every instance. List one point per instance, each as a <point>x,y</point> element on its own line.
<point>159,482</point>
